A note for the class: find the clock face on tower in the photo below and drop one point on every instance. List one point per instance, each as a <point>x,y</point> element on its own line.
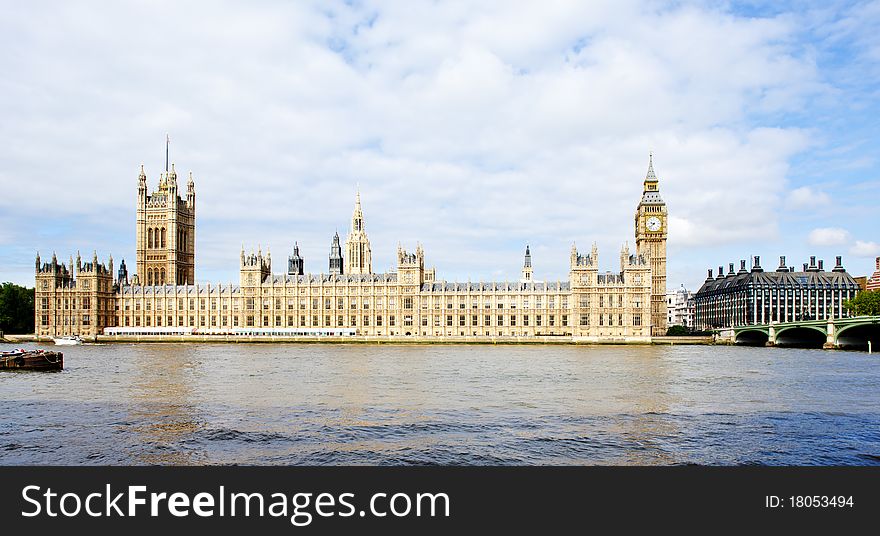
<point>653,224</point>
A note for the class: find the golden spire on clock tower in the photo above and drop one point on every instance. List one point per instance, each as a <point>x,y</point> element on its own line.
<point>651,178</point>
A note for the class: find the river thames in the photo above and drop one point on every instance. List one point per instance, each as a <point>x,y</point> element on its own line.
<point>322,404</point>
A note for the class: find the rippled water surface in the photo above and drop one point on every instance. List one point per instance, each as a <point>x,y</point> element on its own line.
<point>362,404</point>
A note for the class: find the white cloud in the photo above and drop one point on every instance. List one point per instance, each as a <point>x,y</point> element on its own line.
<point>828,236</point>
<point>808,197</point>
<point>473,128</point>
<point>865,249</point>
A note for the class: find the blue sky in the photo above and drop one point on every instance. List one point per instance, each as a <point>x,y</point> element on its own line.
<point>473,128</point>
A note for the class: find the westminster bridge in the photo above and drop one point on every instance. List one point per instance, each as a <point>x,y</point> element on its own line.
<point>856,333</point>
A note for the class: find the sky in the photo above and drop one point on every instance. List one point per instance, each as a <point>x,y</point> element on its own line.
<point>473,128</point>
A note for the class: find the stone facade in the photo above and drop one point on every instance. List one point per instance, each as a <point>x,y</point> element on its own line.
<point>166,232</point>
<point>680,308</point>
<point>651,232</point>
<point>407,301</point>
<point>359,259</point>
<point>74,299</point>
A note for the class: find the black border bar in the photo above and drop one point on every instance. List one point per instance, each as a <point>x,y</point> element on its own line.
<point>512,499</point>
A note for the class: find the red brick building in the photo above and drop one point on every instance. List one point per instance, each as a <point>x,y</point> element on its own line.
<point>874,280</point>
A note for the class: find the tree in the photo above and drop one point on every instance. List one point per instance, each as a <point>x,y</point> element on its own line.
<point>677,331</point>
<point>866,303</point>
<point>16,309</point>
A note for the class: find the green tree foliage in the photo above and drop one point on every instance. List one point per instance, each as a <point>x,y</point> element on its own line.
<point>16,309</point>
<point>677,331</point>
<point>867,303</point>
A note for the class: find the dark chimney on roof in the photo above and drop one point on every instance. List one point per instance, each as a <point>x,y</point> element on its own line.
<point>821,265</point>
<point>782,267</point>
<point>839,266</point>
<point>742,266</point>
<point>730,270</point>
<point>756,266</point>
<point>720,272</point>
<point>805,266</point>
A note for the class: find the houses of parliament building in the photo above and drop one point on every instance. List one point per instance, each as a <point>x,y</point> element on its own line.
<point>162,297</point>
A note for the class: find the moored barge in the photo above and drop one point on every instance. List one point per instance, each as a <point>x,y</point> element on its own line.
<point>31,360</point>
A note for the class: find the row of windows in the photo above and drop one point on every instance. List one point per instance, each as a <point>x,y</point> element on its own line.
<point>84,320</point>
<point>156,238</point>
<point>609,319</point>
<point>249,320</point>
<point>367,320</point>
<point>745,309</point>
<point>103,285</point>
<point>352,320</point>
<point>316,303</point>
<point>365,303</point>
<point>366,288</point>
<point>71,303</point>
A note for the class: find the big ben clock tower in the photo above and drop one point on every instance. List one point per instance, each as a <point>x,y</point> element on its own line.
<point>651,230</point>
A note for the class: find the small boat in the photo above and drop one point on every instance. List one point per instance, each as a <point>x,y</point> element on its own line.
<point>68,341</point>
<point>22,359</point>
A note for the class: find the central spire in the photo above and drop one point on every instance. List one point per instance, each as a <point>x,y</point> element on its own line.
<point>652,183</point>
<point>336,259</point>
<point>527,267</point>
<point>357,247</point>
<point>650,177</point>
<point>357,216</point>
<point>295,263</point>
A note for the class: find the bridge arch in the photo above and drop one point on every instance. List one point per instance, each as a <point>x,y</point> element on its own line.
<point>802,337</point>
<point>752,337</point>
<point>855,336</point>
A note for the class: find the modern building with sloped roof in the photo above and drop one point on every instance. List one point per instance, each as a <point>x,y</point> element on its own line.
<point>755,297</point>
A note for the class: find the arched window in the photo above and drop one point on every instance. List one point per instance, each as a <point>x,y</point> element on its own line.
<point>150,237</point>
<point>163,237</point>
<point>150,272</point>
<point>162,277</point>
